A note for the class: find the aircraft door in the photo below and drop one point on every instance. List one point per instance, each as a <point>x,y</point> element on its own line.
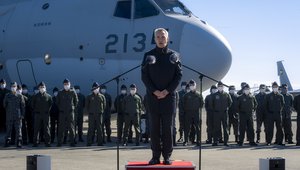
<point>25,72</point>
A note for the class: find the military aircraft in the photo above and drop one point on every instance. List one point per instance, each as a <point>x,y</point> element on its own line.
<point>284,79</point>
<point>97,40</point>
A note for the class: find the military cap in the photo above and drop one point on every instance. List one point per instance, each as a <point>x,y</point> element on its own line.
<point>284,86</point>
<point>192,82</point>
<point>19,87</point>
<point>55,89</point>
<point>213,87</point>
<point>231,87</point>
<point>2,81</point>
<point>77,87</point>
<point>183,83</point>
<point>66,81</point>
<point>13,84</point>
<point>123,86</point>
<point>246,86</point>
<point>220,83</point>
<point>262,86</point>
<point>95,86</point>
<point>274,84</point>
<point>132,86</point>
<point>42,84</point>
<point>24,86</point>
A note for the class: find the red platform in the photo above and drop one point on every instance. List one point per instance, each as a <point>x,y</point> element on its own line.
<point>176,165</point>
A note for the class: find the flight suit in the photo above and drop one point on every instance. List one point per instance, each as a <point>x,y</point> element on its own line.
<point>132,105</point>
<point>14,105</point>
<point>95,105</point>
<point>234,117</point>
<point>29,118</point>
<point>221,102</point>
<point>297,108</point>
<point>41,104</point>
<point>3,92</point>
<point>192,103</point>
<point>246,104</point>
<point>164,73</point>
<point>260,113</point>
<point>209,117</point>
<point>286,117</point>
<point>120,119</point>
<point>66,102</point>
<point>79,115</point>
<point>274,103</point>
<point>106,117</point>
<point>181,93</point>
<point>54,112</point>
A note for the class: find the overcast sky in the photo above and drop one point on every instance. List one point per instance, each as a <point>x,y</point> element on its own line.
<point>260,32</point>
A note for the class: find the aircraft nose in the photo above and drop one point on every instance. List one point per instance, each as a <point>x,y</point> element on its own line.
<point>205,50</point>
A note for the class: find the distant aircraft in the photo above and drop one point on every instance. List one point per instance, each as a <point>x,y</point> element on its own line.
<point>96,40</point>
<point>284,79</point>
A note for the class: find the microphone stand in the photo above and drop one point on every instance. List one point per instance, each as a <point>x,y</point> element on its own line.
<point>201,75</point>
<point>117,79</point>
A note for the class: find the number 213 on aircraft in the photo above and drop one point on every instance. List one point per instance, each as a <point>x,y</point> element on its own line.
<point>113,41</point>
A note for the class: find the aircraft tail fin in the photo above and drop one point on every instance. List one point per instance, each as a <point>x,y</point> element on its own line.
<point>283,77</point>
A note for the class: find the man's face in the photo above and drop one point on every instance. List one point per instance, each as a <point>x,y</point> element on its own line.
<point>161,39</point>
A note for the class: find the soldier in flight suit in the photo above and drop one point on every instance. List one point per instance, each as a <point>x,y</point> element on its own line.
<point>54,116</point>
<point>209,113</point>
<point>67,102</point>
<point>107,114</point>
<point>15,110</point>
<point>41,104</point>
<point>233,115</point>
<point>95,106</point>
<point>274,103</point>
<point>181,93</point>
<point>287,114</point>
<point>3,92</point>
<point>79,114</point>
<point>120,110</point>
<point>260,111</point>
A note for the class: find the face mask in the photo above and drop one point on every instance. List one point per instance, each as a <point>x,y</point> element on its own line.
<point>25,91</point>
<point>96,91</point>
<point>275,90</point>
<point>220,89</point>
<point>183,87</point>
<point>55,93</point>
<point>13,89</point>
<point>77,91</point>
<point>3,86</point>
<point>188,90</point>
<point>213,91</point>
<point>67,87</point>
<point>19,91</point>
<point>103,91</point>
<point>231,91</point>
<point>246,92</point>
<point>42,89</point>
<point>193,88</point>
<point>123,91</point>
<point>262,90</point>
<point>132,92</point>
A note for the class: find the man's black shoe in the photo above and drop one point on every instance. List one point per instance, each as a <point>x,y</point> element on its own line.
<point>208,142</point>
<point>290,142</point>
<point>47,145</point>
<point>184,144</point>
<point>298,144</point>
<point>58,145</point>
<point>180,139</point>
<point>257,141</point>
<point>137,144</point>
<point>226,144</point>
<point>154,161</point>
<point>19,144</point>
<point>215,144</point>
<point>253,144</point>
<point>167,161</point>
<point>100,144</point>
<point>268,144</point>
<point>221,141</point>
<point>241,143</point>
<point>7,143</point>
<point>281,144</point>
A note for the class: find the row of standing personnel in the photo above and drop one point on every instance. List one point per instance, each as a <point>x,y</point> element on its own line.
<point>237,110</point>
<point>64,111</point>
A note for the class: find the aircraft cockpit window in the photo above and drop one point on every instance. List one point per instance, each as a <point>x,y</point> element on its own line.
<point>143,8</point>
<point>123,9</point>
<point>173,7</point>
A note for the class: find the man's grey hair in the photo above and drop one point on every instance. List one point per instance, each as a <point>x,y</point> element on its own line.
<point>161,30</point>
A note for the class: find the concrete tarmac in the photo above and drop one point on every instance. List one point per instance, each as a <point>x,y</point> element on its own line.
<point>105,157</point>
